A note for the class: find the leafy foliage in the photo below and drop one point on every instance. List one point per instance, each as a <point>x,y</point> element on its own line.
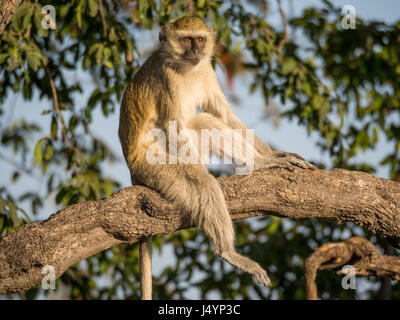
<point>343,85</point>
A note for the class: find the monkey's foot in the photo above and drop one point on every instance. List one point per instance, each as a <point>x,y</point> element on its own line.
<point>287,160</point>
<point>247,265</point>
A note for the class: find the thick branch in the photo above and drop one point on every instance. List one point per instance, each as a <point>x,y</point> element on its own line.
<point>7,10</point>
<point>81,230</point>
<point>332,255</point>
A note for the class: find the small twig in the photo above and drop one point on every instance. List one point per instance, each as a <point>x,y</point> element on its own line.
<point>57,109</point>
<point>60,117</point>
<point>28,31</point>
<point>103,20</point>
<point>285,38</point>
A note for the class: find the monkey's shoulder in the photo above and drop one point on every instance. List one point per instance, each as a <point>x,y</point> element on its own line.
<point>150,79</point>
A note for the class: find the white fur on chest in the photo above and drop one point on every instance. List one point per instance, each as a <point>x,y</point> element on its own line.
<point>191,97</point>
<point>192,92</point>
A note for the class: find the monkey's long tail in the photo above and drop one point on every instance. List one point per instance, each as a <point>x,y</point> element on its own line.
<point>145,269</point>
<point>146,278</point>
<point>198,193</point>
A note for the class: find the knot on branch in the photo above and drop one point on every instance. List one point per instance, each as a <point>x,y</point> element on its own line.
<point>136,212</point>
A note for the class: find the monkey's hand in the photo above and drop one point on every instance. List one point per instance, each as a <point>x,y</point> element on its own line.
<point>285,160</point>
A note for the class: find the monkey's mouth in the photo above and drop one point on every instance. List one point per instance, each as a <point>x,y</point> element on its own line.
<point>192,58</point>
<point>194,61</point>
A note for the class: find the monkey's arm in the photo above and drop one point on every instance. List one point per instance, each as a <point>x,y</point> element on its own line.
<point>234,122</point>
<point>219,107</point>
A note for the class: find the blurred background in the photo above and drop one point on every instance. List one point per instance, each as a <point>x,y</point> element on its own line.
<point>289,68</point>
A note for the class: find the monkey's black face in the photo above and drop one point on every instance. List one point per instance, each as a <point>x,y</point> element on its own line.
<point>193,48</point>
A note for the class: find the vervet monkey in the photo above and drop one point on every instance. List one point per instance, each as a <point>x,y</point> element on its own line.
<point>173,83</point>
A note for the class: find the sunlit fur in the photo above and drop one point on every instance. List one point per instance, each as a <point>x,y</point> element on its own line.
<point>167,88</point>
<point>170,49</point>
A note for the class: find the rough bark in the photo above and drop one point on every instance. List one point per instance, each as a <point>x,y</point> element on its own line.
<point>81,230</point>
<point>366,260</point>
<point>7,10</point>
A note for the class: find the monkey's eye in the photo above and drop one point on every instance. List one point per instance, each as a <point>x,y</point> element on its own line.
<point>186,40</point>
<point>200,39</point>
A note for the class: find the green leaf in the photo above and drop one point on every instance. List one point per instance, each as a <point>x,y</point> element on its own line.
<point>79,14</point>
<point>3,57</point>
<point>2,220</point>
<point>109,64</point>
<point>107,53</point>
<point>94,48</point>
<point>253,86</point>
<point>116,54</point>
<point>108,188</point>
<point>307,89</point>
<point>288,66</point>
<point>54,128</point>
<point>16,21</point>
<point>27,89</point>
<point>201,3</point>
<point>94,98</point>
<point>93,8</point>
<point>27,17</point>
<point>99,54</point>
<point>33,61</point>
<point>112,35</point>
<point>38,18</point>
<point>48,152</point>
<point>64,195</point>
<point>237,47</point>
<point>73,123</point>
<point>63,10</point>
<point>15,176</point>
<point>16,220</point>
<point>37,153</point>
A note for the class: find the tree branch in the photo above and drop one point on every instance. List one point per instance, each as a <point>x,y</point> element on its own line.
<point>79,231</point>
<point>332,255</point>
<point>7,11</point>
<point>285,38</point>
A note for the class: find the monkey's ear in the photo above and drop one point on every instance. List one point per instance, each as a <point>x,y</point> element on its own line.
<point>162,36</point>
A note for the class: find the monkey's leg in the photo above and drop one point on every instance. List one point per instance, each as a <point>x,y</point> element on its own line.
<point>264,160</point>
<point>198,193</point>
<point>286,159</point>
